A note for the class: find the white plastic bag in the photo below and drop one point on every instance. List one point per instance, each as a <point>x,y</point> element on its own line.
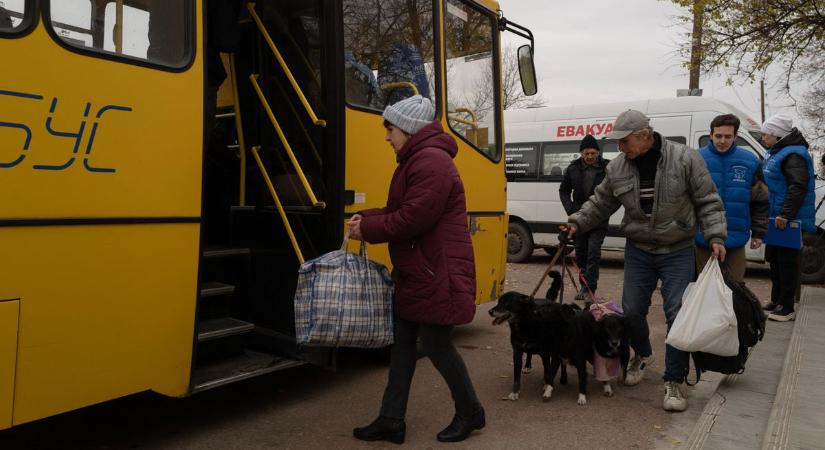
<point>706,322</point>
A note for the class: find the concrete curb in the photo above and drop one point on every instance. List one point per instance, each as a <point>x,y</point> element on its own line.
<point>777,434</point>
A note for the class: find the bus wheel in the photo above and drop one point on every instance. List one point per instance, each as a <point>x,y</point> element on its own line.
<point>812,256</point>
<point>519,243</point>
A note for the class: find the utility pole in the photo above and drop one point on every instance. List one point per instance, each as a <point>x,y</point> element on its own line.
<point>762,97</point>
<point>696,44</point>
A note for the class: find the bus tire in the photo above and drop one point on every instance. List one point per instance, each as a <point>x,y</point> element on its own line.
<point>812,258</point>
<point>519,242</point>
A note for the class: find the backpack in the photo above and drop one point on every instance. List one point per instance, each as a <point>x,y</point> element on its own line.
<point>750,318</point>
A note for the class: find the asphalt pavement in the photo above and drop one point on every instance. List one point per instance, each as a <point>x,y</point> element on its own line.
<point>307,407</point>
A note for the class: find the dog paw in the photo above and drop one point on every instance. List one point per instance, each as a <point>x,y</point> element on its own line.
<point>582,400</point>
<point>608,390</point>
<point>548,392</point>
<point>513,396</point>
<point>527,370</point>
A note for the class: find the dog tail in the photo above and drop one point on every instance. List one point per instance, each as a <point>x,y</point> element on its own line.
<point>555,286</point>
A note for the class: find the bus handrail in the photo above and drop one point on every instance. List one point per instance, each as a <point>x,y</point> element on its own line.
<point>315,203</point>
<point>471,113</point>
<point>117,32</point>
<point>401,85</point>
<point>287,72</point>
<point>278,204</point>
<point>236,101</point>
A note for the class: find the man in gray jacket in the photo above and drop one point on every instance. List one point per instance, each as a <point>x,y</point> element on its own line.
<point>666,192</point>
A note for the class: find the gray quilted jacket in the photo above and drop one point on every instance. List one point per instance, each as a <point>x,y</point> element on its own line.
<point>684,198</point>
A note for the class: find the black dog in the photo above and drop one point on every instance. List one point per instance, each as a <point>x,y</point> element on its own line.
<point>535,328</point>
<point>584,335</point>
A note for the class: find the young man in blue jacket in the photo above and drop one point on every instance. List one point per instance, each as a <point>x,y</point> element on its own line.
<point>789,172</point>
<point>737,174</point>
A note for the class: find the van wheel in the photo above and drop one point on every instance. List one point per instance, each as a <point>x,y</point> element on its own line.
<point>812,256</point>
<point>519,243</point>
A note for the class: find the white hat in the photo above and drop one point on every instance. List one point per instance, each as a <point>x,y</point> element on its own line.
<point>411,114</point>
<point>778,125</point>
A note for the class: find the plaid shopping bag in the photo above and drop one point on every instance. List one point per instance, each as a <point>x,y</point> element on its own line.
<point>344,300</point>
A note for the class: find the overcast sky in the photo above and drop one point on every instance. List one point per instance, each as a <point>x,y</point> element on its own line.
<point>594,51</point>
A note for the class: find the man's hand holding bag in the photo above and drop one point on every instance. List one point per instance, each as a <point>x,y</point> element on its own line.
<point>706,322</point>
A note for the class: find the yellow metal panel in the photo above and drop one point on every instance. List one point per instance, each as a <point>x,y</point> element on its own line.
<point>488,234</point>
<point>107,311</point>
<point>150,135</point>
<point>9,312</point>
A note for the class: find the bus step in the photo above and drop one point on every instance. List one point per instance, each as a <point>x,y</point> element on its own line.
<point>225,252</point>
<point>214,289</point>
<point>247,365</point>
<point>222,327</point>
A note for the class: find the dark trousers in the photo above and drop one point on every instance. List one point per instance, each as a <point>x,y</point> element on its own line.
<point>784,275</point>
<point>438,346</point>
<point>589,254</point>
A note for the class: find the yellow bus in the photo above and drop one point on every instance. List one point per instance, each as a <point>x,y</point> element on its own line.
<point>151,235</point>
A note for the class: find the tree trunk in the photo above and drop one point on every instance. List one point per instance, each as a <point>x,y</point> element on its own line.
<point>696,43</point>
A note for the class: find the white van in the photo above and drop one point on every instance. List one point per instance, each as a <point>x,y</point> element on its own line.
<point>541,143</point>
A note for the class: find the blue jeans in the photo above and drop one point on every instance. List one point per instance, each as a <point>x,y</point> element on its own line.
<point>642,270</point>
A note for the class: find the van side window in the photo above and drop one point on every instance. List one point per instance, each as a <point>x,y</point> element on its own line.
<point>521,161</point>
<point>555,157</point>
<point>15,15</point>
<point>680,139</point>
<point>741,143</point>
<point>154,31</point>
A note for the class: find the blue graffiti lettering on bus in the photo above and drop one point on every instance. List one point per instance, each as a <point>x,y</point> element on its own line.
<point>51,128</point>
<point>77,137</point>
<point>20,126</point>
<point>94,133</point>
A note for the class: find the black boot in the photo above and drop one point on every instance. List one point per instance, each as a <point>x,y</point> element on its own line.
<point>460,427</point>
<point>382,429</point>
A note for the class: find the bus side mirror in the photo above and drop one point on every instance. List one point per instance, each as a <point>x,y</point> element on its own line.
<point>527,70</point>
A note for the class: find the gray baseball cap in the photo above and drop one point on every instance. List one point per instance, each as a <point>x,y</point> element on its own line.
<point>628,122</point>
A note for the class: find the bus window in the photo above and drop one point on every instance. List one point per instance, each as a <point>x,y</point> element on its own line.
<point>13,14</point>
<point>521,161</point>
<point>388,51</point>
<point>155,31</point>
<point>740,142</point>
<point>472,93</point>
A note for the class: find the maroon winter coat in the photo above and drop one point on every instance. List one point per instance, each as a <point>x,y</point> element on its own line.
<point>425,224</point>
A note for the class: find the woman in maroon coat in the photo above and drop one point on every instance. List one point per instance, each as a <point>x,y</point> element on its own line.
<point>425,224</point>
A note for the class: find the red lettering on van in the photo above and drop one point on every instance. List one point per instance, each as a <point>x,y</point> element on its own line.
<point>580,131</point>
<point>608,128</point>
<point>571,130</point>
<point>560,132</point>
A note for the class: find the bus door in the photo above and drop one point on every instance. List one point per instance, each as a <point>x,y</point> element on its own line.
<point>100,162</point>
<point>273,195</point>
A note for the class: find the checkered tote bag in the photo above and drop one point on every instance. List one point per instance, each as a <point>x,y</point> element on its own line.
<point>344,300</point>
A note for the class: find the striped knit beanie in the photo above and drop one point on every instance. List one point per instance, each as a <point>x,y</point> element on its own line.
<point>411,114</point>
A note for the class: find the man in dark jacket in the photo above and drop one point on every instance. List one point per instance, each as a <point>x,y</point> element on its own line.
<point>580,180</point>
<point>425,224</point>
<point>789,172</point>
<point>737,174</point>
